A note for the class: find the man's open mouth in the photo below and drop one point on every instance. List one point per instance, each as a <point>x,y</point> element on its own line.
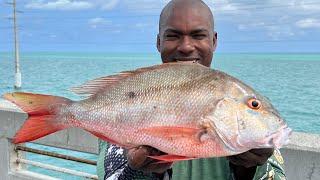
<point>187,59</point>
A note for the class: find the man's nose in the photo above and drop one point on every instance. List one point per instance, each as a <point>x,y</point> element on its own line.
<point>186,46</point>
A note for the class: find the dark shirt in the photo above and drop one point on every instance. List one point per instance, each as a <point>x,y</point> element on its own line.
<point>112,164</point>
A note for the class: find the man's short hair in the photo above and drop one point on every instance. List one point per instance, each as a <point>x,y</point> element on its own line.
<point>164,14</point>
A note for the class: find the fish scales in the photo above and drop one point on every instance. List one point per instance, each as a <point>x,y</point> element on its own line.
<point>158,101</point>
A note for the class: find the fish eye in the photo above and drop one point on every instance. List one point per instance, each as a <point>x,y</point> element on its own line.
<point>253,103</point>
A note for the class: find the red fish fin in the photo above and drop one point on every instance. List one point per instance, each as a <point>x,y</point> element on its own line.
<point>171,132</point>
<point>36,104</point>
<point>41,110</point>
<point>170,158</point>
<point>103,137</point>
<point>36,127</point>
<point>103,83</point>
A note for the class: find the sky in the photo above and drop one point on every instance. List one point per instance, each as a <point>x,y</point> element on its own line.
<point>286,26</point>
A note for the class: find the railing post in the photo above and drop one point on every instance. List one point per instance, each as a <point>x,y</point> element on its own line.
<point>8,156</point>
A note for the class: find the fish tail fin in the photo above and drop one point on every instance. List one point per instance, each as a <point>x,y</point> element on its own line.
<point>43,115</point>
<point>36,127</point>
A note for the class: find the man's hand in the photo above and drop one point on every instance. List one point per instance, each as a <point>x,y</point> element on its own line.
<point>138,160</point>
<point>254,157</point>
<point>244,165</point>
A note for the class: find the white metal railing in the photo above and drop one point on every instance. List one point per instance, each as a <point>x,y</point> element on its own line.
<point>58,169</point>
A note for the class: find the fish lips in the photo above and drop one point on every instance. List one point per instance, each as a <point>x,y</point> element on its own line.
<point>279,138</point>
<point>273,140</point>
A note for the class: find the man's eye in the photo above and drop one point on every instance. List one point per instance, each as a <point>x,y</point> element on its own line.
<point>199,36</point>
<point>172,36</point>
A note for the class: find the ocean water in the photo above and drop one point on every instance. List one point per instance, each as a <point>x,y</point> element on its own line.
<point>291,81</point>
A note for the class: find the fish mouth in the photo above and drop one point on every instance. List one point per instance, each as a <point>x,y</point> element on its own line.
<point>279,138</point>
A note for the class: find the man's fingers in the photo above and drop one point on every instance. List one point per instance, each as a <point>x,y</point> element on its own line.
<point>240,162</point>
<point>255,159</point>
<point>137,157</point>
<point>248,159</point>
<point>262,152</point>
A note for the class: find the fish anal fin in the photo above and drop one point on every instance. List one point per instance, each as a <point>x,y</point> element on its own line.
<point>170,158</point>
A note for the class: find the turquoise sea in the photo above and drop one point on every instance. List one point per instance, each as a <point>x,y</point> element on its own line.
<point>291,81</point>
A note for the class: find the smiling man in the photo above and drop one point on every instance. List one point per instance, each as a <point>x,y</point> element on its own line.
<point>186,33</point>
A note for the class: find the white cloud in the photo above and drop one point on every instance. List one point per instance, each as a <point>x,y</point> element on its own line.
<point>145,6</point>
<point>72,4</point>
<point>308,23</point>
<point>311,6</point>
<point>52,36</point>
<point>26,33</point>
<point>116,31</point>
<point>96,22</point>
<point>277,19</point>
<point>280,32</point>
<point>59,5</point>
<point>250,26</point>
<point>108,5</point>
<point>246,15</point>
<point>144,25</point>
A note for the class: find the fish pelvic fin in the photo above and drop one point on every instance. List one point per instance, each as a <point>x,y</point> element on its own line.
<point>42,111</point>
<point>170,158</point>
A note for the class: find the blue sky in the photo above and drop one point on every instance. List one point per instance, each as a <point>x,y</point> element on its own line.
<point>132,25</point>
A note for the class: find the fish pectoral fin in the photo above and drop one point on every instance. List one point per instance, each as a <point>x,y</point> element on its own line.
<point>170,158</point>
<point>171,132</point>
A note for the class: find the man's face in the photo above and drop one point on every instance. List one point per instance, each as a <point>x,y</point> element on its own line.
<point>187,35</point>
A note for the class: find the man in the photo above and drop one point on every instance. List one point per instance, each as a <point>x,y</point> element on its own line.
<point>186,33</point>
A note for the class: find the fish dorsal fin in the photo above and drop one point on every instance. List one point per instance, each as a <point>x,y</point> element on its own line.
<point>94,86</point>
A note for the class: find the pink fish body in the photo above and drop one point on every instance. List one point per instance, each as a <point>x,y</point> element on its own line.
<point>183,109</point>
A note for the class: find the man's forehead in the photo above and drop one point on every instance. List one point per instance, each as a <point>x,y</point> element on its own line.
<point>187,22</point>
<point>170,29</point>
<point>195,14</point>
<point>184,10</point>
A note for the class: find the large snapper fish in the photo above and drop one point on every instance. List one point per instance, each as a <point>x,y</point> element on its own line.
<point>183,109</point>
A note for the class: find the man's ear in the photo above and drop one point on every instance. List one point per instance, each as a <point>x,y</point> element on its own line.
<point>158,43</point>
<point>215,40</point>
